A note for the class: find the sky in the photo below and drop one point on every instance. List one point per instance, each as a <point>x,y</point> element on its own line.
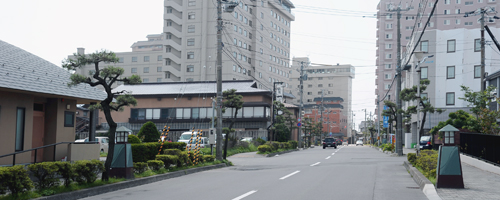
<point>326,31</point>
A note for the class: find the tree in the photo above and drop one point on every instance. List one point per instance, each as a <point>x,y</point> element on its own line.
<point>410,94</point>
<point>487,119</point>
<point>233,101</point>
<point>105,77</point>
<point>461,120</point>
<point>391,112</point>
<point>149,132</point>
<point>281,132</point>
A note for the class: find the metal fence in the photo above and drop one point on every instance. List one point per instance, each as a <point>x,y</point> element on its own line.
<point>482,146</point>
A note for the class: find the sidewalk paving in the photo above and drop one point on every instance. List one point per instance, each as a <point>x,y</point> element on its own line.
<point>481,180</point>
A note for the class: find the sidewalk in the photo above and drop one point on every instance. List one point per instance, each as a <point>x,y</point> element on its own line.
<point>481,180</point>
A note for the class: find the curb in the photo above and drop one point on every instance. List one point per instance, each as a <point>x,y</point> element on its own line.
<point>283,152</point>
<point>127,184</point>
<point>425,185</point>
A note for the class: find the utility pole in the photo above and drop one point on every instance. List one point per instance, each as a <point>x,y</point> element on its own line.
<point>365,122</point>
<point>399,118</point>
<point>321,118</point>
<point>482,49</point>
<point>378,120</point>
<point>218,142</point>
<point>301,96</point>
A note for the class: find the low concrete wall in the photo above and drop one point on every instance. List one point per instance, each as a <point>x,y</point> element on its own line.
<point>425,185</point>
<point>83,152</point>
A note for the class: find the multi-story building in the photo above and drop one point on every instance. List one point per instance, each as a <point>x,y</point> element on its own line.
<point>451,37</point>
<point>329,111</point>
<point>327,81</point>
<point>255,37</point>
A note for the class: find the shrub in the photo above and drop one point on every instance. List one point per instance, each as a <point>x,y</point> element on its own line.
<point>167,160</point>
<point>15,179</point>
<point>174,152</point>
<point>274,145</point>
<point>183,159</point>
<point>208,158</point>
<point>149,132</point>
<point>45,174</point>
<point>261,141</point>
<point>427,161</point>
<point>88,170</point>
<point>412,157</point>
<point>155,165</point>
<point>264,148</point>
<point>293,144</point>
<point>66,171</point>
<point>140,167</point>
<point>133,139</point>
<point>147,151</point>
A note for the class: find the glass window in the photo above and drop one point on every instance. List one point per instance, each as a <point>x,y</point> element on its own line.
<point>178,113</point>
<point>196,113</point>
<point>190,68</point>
<point>247,112</point>
<point>158,80</point>
<point>69,119</point>
<point>20,128</point>
<point>477,45</point>
<point>167,113</point>
<point>134,70</point>
<point>160,58</point>
<point>239,114</point>
<point>190,55</point>
<point>451,46</point>
<point>424,46</point>
<point>228,113</point>
<point>120,59</point>
<point>210,112</point>
<point>156,113</point>
<point>203,113</point>
<point>146,69</point>
<point>134,59</point>
<point>191,16</point>
<point>146,58</point>
<point>423,73</point>
<point>424,97</point>
<point>477,71</point>
<point>192,3</point>
<point>158,69</point>
<point>450,98</point>
<point>191,29</point>
<point>258,112</point>
<point>450,72</point>
<point>268,112</point>
<point>141,114</point>
<point>149,113</point>
<point>186,113</point>
<point>190,42</point>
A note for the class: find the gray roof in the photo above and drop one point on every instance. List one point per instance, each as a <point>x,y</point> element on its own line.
<point>195,87</point>
<point>448,128</point>
<point>329,99</point>
<point>21,70</point>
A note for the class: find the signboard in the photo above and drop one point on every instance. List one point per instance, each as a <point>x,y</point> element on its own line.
<point>298,119</point>
<point>299,124</point>
<point>386,119</point>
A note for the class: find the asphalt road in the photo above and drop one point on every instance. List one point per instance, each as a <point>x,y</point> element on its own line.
<point>349,172</point>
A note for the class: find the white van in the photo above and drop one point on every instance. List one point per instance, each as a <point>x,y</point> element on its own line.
<point>186,136</point>
<point>203,143</point>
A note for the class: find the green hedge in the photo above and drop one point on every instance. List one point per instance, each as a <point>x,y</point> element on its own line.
<point>66,171</point>
<point>133,139</point>
<point>147,151</point>
<point>87,170</point>
<point>45,173</point>
<point>412,157</point>
<point>264,148</point>
<point>208,158</point>
<point>155,165</point>
<point>15,179</point>
<point>140,167</point>
<point>168,160</point>
<point>427,161</point>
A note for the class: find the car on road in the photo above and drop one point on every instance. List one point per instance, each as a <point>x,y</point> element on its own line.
<point>359,142</point>
<point>203,143</point>
<point>338,142</point>
<point>425,142</point>
<point>329,142</point>
<point>103,143</point>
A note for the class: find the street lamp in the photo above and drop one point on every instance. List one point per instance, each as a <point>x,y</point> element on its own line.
<point>417,67</point>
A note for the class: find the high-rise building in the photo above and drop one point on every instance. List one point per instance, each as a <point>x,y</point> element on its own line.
<point>255,37</point>
<point>327,81</point>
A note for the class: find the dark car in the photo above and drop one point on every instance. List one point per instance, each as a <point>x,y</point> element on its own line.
<point>425,142</point>
<point>329,142</point>
<point>338,142</point>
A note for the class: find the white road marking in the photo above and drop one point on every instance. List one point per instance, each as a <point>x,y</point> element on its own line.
<point>328,157</point>
<point>282,178</point>
<point>333,154</point>
<point>315,164</point>
<point>245,195</point>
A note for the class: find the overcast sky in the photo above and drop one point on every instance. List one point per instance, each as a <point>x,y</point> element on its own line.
<point>327,31</point>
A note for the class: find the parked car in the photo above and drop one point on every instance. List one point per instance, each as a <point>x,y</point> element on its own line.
<point>359,142</point>
<point>329,142</point>
<point>103,143</point>
<point>246,139</point>
<point>186,136</point>
<point>338,142</point>
<point>425,142</point>
<point>203,143</point>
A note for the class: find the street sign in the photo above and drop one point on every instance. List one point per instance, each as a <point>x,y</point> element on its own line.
<point>299,124</point>
<point>298,119</point>
<point>386,121</point>
<point>330,133</point>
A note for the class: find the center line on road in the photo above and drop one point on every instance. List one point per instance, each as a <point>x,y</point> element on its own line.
<point>328,157</point>
<point>282,178</point>
<point>245,195</point>
<point>333,154</point>
<point>315,164</point>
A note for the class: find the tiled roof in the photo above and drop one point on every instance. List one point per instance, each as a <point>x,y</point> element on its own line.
<point>21,70</point>
<point>198,87</point>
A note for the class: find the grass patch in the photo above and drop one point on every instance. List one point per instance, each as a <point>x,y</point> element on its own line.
<point>174,169</point>
<point>104,154</point>
<point>232,151</point>
<point>431,179</point>
<point>269,152</point>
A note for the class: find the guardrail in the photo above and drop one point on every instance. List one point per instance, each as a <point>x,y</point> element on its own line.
<point>36,150</point>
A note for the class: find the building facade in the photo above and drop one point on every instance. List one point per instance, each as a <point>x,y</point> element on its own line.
<point>327,81</point>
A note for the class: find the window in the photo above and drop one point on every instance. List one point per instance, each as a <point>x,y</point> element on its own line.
<point>450,98</point>
<point>190,55</point>
<point>477,71</point>
<point>69,119</point>
<point>239,69</point>
<point>458,1</point>
<point>423,73</point>
<point>262,15</point>
<point>320,85</point>
<point>236,15</point>
<point>168,49</point>
<point>134,70</point>
<point>160,58</point>
<point>146,80</point>
<point>192,3</point>
<point>388,66</point>
<point>457,11</point>
<point>234,68</point>
<point>120,59</point>
<point>457,21</point>
<point>387,86</point>
<point>469,3</point>
<point>424,46</point>
<point>159,69</point>
<point>169,10</point>
<point>388,56</point>
<point>446,12</point>
<point>167,75</point>
<point>310,86</point>
<point>388,46</point>
<point>20,119</point>
<point>186,113</point>
<point>450,72</point>
<point>146,70</point>
<point>387,76</point>
<point>446,22</point>
<point>447,1</point>
<point>134,59</point>
<point>451,46</point>
<point>168,62</point>
<point>235,28</point>
<point>388,26</point>
<point>191,29</point>
<point>189,79</point>
<point>477,45</point>
<point>260,62</point>
<point>195,113</point>
<point>190,68</point>
<point>146,58</point>
<point>468,23</point>
<point>191,15</point>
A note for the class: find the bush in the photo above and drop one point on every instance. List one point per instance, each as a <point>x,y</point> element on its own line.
<point>45,174</point>
<point>261,141</point>
<point>66,171</point>
<point>427,161</point>
<point>155,165</point>
<point>133,139</point>
<point>147,151</point>
<point>167,160</point>
<point>208,158</point>
<point>149,132</point>
<point>174,152</point>
<point>88,170</point>
<point>140,167</point>
<point>15,179</point>
<point>183,159</point>
<point>412,157</point>
<point>293,144</point>
<point>264,148</point>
